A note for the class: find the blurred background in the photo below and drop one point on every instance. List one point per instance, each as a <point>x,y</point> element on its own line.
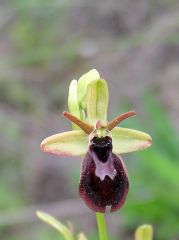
<point>44,44</point>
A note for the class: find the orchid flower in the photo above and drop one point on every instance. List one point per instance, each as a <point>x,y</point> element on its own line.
<point>103,180</point>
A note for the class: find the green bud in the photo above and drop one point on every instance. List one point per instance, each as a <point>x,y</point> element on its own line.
<point>81,236</point>
<point>144,232</point>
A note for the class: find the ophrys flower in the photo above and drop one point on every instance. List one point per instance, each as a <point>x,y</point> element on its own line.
<point>103,180</point>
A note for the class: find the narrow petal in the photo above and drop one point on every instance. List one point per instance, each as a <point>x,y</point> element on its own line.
<point>97,193</point>
<point>128,140</point>
<point>72,143</point>
<point>119,119</point>
<point>82,124</point>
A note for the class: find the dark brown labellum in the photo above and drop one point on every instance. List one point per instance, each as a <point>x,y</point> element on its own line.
<point>104,180</point>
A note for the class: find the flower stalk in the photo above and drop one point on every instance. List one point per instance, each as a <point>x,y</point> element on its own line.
<point>100,218</point>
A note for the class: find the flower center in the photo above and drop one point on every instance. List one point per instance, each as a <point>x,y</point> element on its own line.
<point>102,147</point>
<point>101,152</point>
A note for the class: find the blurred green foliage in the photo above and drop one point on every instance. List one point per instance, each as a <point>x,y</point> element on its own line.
<point>48,233</point>
<point>36,47</point>
<point>16,95</point>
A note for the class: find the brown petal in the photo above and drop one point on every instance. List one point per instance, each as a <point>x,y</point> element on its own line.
<point>97,193</point>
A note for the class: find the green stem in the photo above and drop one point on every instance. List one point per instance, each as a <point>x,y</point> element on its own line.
<point>101,226</point>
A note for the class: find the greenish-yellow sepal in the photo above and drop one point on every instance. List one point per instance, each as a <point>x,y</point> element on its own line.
<point>73,105</point>
<point>72,143</point>
<point>97,101</point>
<point>128,140</point>
<point>83,83</point>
